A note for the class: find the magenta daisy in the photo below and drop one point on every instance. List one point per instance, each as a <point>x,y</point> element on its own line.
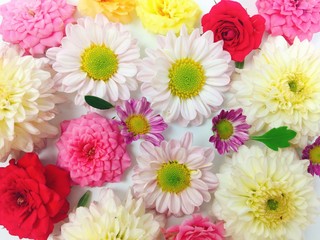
<point>312,153</point>
<point>139,122</point>
<point>230,130</point>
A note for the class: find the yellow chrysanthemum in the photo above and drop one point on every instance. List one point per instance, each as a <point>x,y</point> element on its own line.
<point>115,10</point>
<point>160,16</point>
<point>265,194</point>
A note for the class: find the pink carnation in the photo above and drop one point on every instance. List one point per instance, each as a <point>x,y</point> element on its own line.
<point>35,25</point>
<point>93,150</point>
<point>291,18</point>
<point>197,228</point>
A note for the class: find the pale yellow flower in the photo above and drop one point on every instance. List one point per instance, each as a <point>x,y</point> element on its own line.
<point>115,10</point>
<point>160,16</point>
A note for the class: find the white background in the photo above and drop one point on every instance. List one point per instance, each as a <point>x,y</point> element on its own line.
<point>201,134</point>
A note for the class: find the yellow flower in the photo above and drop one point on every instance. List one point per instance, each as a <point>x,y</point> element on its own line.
<point>160,16</point>
<point>115,10</point>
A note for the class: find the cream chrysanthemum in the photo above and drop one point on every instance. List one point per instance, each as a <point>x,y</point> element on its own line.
<point>110,219</point>
<point>282,87</point>
<point>96,58</point>
<point>27,102</point>
<point>185,76</point>
<point>176,177</point>
<point>265,194</point>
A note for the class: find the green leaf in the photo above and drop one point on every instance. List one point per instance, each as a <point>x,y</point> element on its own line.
<point>84,200</point>
<point>276,137</point>
<point>97,102</point>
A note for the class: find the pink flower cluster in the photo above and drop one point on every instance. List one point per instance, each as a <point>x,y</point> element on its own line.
<point>93,150</point>
<point>35,25</point>
<point>291,18</point>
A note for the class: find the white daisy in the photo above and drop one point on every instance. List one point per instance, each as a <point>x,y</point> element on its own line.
<point>282,88</point>
<point>109,219</point>
<point>27,102</point>
<point>96,58</point>
<point>174,178</point>
<point>265,194</point>
<point>185,76</point>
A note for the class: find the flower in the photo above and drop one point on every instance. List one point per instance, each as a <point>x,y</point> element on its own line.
<point>115,10</point>
<point>311,152</point>
<point>161,16</point>
<point>174,178</point>
<point>35,25</point>
<point>290,19</point>
<point>96,58</point>
<point>93,150</point>
<point>33,197</point>
<point>110,219</point>
<point>139,121</point>
<point>265,194</point>
<point>185,76</point>
<point>282,88</point>
<point>230,130</point>
<point>27,103</point>
<point>230,22</point>
<point>197,228</point>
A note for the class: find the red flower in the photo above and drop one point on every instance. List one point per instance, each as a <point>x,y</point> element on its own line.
<point>33,197</point>
<point>230,22</point>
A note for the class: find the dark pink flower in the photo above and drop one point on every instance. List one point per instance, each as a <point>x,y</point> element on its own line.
<point>312,153</point>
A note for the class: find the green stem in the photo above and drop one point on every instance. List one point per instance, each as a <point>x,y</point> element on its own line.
<point>239,65</point>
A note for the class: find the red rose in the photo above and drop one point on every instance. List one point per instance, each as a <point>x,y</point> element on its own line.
<point>230,22</point>
<point>33,197</point>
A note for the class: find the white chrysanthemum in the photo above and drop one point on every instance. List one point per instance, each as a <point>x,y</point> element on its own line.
<point>185,76</point>
<point>176,177</point>
<point>27,102</point>
<point>110,219</point>
<point>265,194</point>
<point>96,58</point>
<point>282,88</point>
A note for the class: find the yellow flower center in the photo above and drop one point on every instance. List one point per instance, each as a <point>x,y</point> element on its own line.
<point>271,205</point>
<point>187,78</point>
<point>314,155</point>
<point>173,177</point>
<point>138,124</point>
<point>99,62</point>
<point>5,98</point>
<point>224,129</point>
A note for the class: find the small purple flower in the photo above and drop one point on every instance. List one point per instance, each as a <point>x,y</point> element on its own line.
<point>138,121</point>
<point>312,153</point>
<point>230,130</point>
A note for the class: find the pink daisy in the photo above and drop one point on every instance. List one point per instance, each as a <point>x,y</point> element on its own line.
<point>92,149</point>
<point>176,177</point>
<point>312,153</point>
<point>139,122</point>
<point>230,130</point>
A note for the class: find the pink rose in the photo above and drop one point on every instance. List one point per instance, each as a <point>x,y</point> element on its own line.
<point>35,25</point>
<point>197,228</point>
<point>93,150</point>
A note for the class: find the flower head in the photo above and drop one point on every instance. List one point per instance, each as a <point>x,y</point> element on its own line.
<point>185,76</point>
<point>230,130</point>
<point>33,197</point>
<point>96,58</point>
<point>282,88</point>
<point>108,218</point>
<point>265,194</point>
<point>312,153</point>
<point>174,178</point>
<point>35,25</point>
<point>115,10</point>
<point>197,228</point>
<point>230,22</point>
<point>161,16</point>
<point>93,150</point>
<point>27,103</point>
<point>291,18</point>
<point>139,121</point>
